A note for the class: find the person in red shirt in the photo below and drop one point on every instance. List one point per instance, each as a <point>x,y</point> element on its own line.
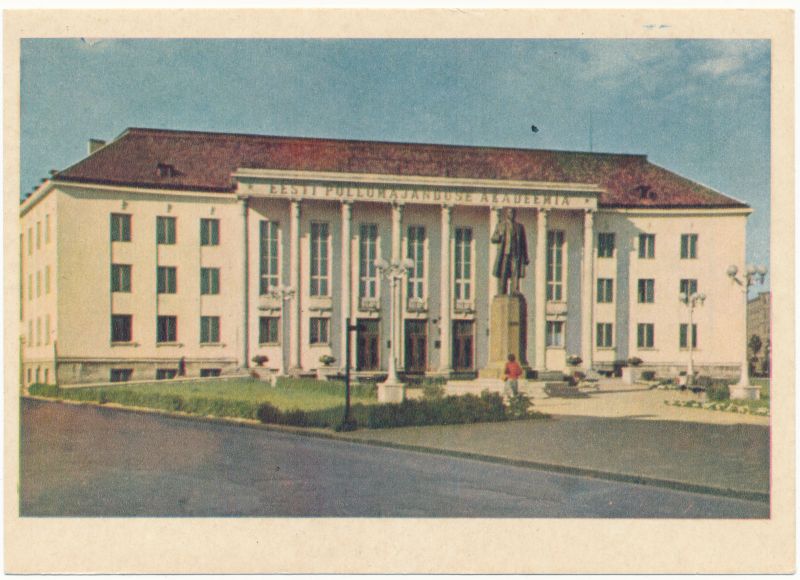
<point>511,374</point>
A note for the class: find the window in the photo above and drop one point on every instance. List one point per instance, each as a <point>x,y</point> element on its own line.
<point>554,335</point>
<point>688,246</point>
<point>46,376</point>
<point>47,279</point>
<point>605,290</point>
<point>30,332</point>
<point>30,286</point>
<point>268,329</point>
<point>121,375</point>
<point>319,330</point>
<point>463,264</point>
<point>416,253</point>
<point>555,265</point>
<point>685,336</point>
<point>165,230</point>
<point>167,329</point>
<point>209,329</point>
<point>647,246</point>
<point>645,335</point>
<point>121,328</point>
<point>120,227</point>
<point>47,329</point>
<point>319,259</point>
<point>165,374</point>
<point>605,335</point>
<point>167,279</point>
<point>47,229</point>
<point>38,331</point>
<point>268,248</point>
<point>30,375</point>
<point>38,283</point>
<point>30,241</point>
<point>647,291</point>
<point>120,277</point>
<point>688,287</point>
<point>209,280</point>
<point>210,372</point>
<point>367,254</point>
<point>38,235</point>
<point>209,232</point>
<point>605,245</point>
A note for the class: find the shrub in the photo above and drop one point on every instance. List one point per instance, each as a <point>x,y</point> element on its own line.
<point>718,391</point>
<point>634,361</point>
<point>574,360</point>
<point>327,360</point>
<point>648,375</point>
<point>268,413</point>
<point>260,359</point>
<point>432,390</point>
<point>254,375</point>
<point>519,405</point>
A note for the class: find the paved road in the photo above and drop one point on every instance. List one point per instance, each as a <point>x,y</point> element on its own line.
<point>87,461</point>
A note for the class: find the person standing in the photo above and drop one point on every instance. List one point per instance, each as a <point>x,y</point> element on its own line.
<point>511,374</point>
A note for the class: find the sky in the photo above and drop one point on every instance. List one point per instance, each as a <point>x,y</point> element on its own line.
<point>699,108</point>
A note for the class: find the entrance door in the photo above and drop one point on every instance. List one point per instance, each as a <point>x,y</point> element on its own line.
<point>416,346</point>
<point>367,345</point>
<point>463,345</point>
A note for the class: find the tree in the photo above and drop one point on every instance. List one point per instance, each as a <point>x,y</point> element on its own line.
<point>755,344</point>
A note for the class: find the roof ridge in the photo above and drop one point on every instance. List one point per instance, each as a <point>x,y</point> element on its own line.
<point>226,135</point>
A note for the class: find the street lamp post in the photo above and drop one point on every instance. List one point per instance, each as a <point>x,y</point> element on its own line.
<point>284,294</point>
<point>392,390</point>
<point>691,301</point>
<point>751,276</point>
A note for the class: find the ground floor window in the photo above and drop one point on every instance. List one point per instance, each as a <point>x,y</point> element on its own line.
<point>268,329</point>
<point>463,345</point>
<point>167,330</point>
<point>210,372</point>
<point>554,333</point>
<point>320,331</point>
<point>684,332</point>
<point>121,375</point>
<point>209,329</point>
<point>29,376</point>
<point>605,335</point>
<point>162,374</point>
<point>121,327</point>
<point>416,337</point>
<point>645,335</point>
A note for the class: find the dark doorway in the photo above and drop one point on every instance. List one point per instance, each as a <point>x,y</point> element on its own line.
<point>367,345</point>
<point>416,346</point>
<point>463,345</point>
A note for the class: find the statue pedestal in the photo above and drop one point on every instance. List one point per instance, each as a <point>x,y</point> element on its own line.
<point>507,334</point>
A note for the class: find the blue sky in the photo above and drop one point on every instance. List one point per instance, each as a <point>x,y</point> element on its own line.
<point>699,108</point>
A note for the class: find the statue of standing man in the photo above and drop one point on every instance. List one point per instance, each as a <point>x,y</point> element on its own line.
<point>512,256</point>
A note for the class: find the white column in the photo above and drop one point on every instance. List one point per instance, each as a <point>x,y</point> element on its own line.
<point>445,278</point>
<point>587,293</point>
<point>541,288</point>
<point>494,219</point>
<point>397,310</point>
<point>295,265</point>
<point>245,332</point>
<point>347,281</point>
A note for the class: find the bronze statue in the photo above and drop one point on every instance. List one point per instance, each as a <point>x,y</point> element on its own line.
<point>512,256</point>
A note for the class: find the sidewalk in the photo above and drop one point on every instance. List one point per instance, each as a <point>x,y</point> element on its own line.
<point>620,432</point>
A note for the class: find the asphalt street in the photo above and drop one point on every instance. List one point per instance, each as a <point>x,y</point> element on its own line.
<point>89,461</point>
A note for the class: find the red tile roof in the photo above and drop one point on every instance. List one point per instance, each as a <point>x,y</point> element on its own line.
<point>206,162</point>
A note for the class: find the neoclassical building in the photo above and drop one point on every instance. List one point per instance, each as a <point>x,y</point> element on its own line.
<point>163,246</point>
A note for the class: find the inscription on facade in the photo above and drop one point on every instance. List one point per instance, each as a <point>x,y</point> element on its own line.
<point>577,200</point>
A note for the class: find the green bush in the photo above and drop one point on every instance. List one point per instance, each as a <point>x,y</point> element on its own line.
<point>519,405</point>
<point>648,375</point>
<point>432,390</point>
<point>718,391</point>
<point>448,410</point>
<point>268,413</point>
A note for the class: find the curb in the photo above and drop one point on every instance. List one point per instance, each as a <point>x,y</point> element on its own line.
<point>675,485</point>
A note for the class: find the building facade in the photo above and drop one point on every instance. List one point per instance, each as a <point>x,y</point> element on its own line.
<point>212,249</point>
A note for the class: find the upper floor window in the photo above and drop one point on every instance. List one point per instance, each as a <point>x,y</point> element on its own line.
<point>165,230</point>
<point>30,241</point>
<point>268,329</point>
<point>120,277</point>
<point>647,291</point>
<point>209,232</point>
<point>47,229</point>
<point>319,259</point>
<point>647,246</point>
<point>605,290</point>
<point>688,287</point>
<point>268,256</point>
<point>167,329</point>
<point>209,280</point>
<point>605,245</point>
<point>38,235</point>
<point>47,279</point>
<point>120,227</point>
<point>416,253</point>
<point>209,329</point>
<point>167,279</point>
<point>645,335</point>
<point>555,265</point>
<point>463,264</point>
<point>684,336</point>
<point>605,335</point>
<point>688,246</point>
<point>367,254</point>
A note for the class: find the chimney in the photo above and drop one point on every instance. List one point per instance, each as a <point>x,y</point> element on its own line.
<point>95,144</point>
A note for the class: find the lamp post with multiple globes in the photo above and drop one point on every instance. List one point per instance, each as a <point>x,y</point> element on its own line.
<point>691,301</point>
<point>392,389</point>
<point>751,276</point>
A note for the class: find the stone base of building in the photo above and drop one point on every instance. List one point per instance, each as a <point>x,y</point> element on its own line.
<point>70,372</point>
